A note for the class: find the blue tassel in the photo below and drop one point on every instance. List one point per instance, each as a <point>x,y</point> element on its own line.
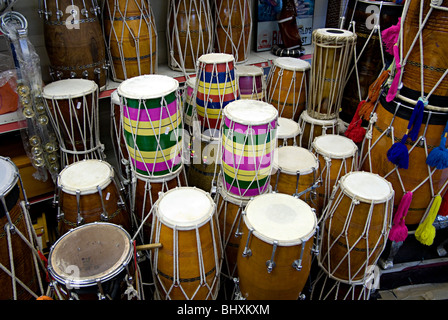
<point>438,157</point>
<point>398,154</point>
<point>416,119</point>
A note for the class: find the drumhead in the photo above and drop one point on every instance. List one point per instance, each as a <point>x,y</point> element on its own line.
<point>92,252</point>
<point>251,71</point>
<point>292,64</point>
<point>333,33</point>
<point>185,208</point>
<point>291,159</point>
<point>280,217</point>
<point>250,112</point>
<point>335,146</point>
<point>307,118</point>
<point>115,98</point>
<point>8,175</point>
<point>287,128</point>
<point>191,82</point>
<point>69,88</point>
<point>85,176</point>
<point>213,58</point>
<point>366,187</point>
<point>148,86</point>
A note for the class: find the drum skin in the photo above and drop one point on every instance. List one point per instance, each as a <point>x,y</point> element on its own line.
<point>316,128</point>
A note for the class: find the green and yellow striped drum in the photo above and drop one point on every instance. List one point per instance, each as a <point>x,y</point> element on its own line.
<point>151,117</point>
<point>248,141</point>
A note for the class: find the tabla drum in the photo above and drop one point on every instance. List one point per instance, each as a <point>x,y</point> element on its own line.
<point>20,275</point>
<point>87,192</point>
<point>275,252</point>
<point>355,226</point>
<point>288,132</point>
<point>248,141</point>
<point>151,116</point>
<point>190,35</point>
<point>333,51</point>
<point>216,87</point>
<point>287,86</point>
<point>131,38</point>
<point>74,40</point>
<point>251,82</point>
<point>188,265</point>
<point>337,156</point>
<point>73,109</point>
<point>310,128</point>
<point>233,28</point>
<point>92,262</point>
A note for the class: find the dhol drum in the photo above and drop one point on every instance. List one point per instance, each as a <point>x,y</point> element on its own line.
<point>295,172</point>
<point>355,226</point>
<point>233,28</point>
<point>275,252</point>
<point>93,262</point>
<point>333,51</point>
<point>337,156</point>
<point>188,265</point>
<point>152,124</point>
<point>131,37</point>
<point>251,82</point>
<point>310,128</point>
<point>216,87</point>
<point>20,267</point>
<point>73,109</point>
<point>287,86</point>
<point>188,104</point>
<point>74,40</point>
<point>87,191</point>
<point>248,141</point>
<point>288,132</point>
<point>190,33</point>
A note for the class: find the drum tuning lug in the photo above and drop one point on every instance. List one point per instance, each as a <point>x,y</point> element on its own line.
<point>247,252</point>
<point>59,75</point>
<point>72,74</point>
<point>59,14</point>
<point>297,264</point>
<point>85,74</point>
<point>47,14</point>
<point>270,265</point>
<point>79,220</point>
<point>85,12</point>
<point>104,217</point>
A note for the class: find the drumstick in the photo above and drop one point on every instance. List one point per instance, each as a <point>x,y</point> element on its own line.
<point>148,246</point>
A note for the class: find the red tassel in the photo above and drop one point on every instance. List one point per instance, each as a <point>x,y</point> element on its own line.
<point>443,210</point>
<point>355,131</point>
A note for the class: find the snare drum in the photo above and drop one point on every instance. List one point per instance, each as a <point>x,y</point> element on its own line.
<point>251,82</point>
<point>287,86</point>
<point>288,132</point>
<point>151,116</point>
<point>248,141</point>
<point>310,128</point>
<point>92,262</point>
<point>87,192</point>
<point>188,264</point>
<point>355,226</point>
<point>274,257</point>
<point>131,36</point>
<point>72,106</point>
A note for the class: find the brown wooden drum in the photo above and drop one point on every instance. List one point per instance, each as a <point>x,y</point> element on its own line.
<point>310,128</point>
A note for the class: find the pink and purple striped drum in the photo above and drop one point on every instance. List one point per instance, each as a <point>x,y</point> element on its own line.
<point>248,142</point>
<point>152,124</point>
<point>251,82</point>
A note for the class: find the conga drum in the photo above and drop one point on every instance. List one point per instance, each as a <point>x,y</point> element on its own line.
<point>275,252</point>
<point>151,116</point>
<point>248,141</point>
<point>333,51</point>
<point>20,271</point>
<point>287,86</point>
<point>288,132</point>
<point>355,226</point>
<point>310,128</point>
<point>233,29</point>
<point>216,87</point>
<point>251,82</point>
<point>73,108</point>
<point>93,262</point>
<point>131,37</point>
<point>190,33</point>
<point>74,40</point>
<point>87,191</point>
<point>337,156</point>
<point>188,265</point>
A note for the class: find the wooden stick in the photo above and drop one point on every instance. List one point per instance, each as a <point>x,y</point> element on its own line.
<point>148,246</point>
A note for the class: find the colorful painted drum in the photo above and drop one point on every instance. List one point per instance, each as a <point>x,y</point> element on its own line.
<point>248,141</point>
<point>287,86</point>
<point>152,124</point>
<point>188,104</point>
<point>251,82</point>
<point>216,87</point>
<point>275,252</point>
<point>288,132</point>
<point>188,265</point>
<point>310,128</point>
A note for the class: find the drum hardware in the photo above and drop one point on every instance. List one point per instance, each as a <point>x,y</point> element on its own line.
<point>297,264</point>
<point>271,263</point>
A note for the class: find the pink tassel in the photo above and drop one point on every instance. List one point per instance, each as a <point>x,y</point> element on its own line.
<point>394,86</point>
<point>390,36</point>
<point>399,231</point>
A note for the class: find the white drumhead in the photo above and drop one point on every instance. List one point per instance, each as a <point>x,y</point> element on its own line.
<point>69,88</point>
<point>338,34</point>
<point>85,176</point>
<point>185,207</point>
<point>251,71</point>
<point>280,217</point>
<point>366,186</point>
<point>115,98</point>
<point>212,58</point>
<point>191,82</point>
<point>147,86</point>
<point>250,112</point>
<point>293,64</point>
<point>8,177</point>
<point>307,118</point>
<point>335,146</point>
<point>287,128</point>
<point>291,159</point>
